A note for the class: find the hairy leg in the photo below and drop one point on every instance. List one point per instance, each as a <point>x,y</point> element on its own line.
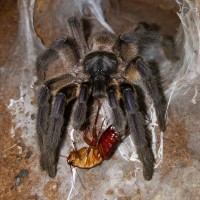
<point>80,107</point>
<point>44,106</point>
<point>52,137</point>
<point>76,31</point>
<point>139,130</point>
<point>136,41</point>
<point>154,89</point>
<point>52,63</point>
<point>118,118</point>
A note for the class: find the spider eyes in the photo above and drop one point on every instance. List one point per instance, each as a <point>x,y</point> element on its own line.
<point>100,63</point>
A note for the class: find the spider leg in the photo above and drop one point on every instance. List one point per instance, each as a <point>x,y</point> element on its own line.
<point>143,35</point>
<point>154,89</point>
<point>118,118</point>
<point>133,44</point>
<point>55,62</point>
<point>48,158</point>
<point>50,124</point>
<point>76,30</point>
<point>44,107</point>
<point>80,107</point>
<point>139,130</point>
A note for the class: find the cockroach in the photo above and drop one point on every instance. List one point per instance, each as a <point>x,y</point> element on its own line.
<point>98,150</point>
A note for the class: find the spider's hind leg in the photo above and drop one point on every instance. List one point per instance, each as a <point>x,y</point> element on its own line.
<point>138,129</point>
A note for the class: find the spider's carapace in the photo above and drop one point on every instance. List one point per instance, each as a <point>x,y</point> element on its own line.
<point>98,150</point>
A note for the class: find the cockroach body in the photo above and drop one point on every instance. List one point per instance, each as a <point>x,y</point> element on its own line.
<point>98,150</point>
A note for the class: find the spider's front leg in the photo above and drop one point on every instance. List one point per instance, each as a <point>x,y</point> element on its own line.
<point>44,106</point>
<point>118,118</point>
<point>154,89</point>
<point>50,121</point>
<point>139,131</point>
<point>52,138</point>
<point>54,67</point>
<point>80,108</point>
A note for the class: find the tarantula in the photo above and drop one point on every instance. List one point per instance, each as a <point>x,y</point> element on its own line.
<point>103,66</point>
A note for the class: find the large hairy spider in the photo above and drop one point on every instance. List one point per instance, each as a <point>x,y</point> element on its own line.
<point>103,66</point>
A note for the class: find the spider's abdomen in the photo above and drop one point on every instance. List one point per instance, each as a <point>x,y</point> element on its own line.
<point>108,142</point>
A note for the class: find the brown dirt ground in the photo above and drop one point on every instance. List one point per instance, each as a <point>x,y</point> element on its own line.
<point>13,149</point>
<point>8,30</point>
<point>13,153</point>
<point>176,153</point>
